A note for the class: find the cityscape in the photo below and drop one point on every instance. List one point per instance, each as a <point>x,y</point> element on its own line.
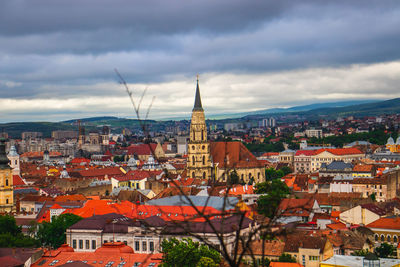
<point>191,139</point>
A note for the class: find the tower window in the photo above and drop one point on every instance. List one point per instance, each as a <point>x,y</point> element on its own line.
<point>204,175</point>
<point>192,174</point>
<point>204,160</point>
<point>6,182</point>
<point>6,200</point>
<point>193,159</point>
<point>202,135</point>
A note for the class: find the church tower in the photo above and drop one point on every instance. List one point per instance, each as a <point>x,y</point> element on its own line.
<point>6,181</point>
<point>198,162</point>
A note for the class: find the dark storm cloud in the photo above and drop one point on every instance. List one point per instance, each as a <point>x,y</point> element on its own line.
<point>68,49</point>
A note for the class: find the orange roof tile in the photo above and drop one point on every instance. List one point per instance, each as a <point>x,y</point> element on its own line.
<point>386,223</point>
<point>233,155</point>
<point>340,151</point>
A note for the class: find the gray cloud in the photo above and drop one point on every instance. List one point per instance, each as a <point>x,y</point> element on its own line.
<point>68,49</point>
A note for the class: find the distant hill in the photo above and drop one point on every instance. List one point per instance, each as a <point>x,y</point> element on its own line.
<point>92,119</point>
<point>368,109</point>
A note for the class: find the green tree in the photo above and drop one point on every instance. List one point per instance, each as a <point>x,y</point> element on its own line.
<point>373,197</point>
<point>186,253</point>
<point>11,235</point>
<point>361,252</point>
<point>286,258</point>
<point>53,234</point>
<point>9,225</point>
<point>206,262</point>
<point>273,193</point>
<point>233,178</point>
<point>286,170</point>
<point>385,250</point>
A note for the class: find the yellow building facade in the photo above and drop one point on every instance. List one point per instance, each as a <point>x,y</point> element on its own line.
<point>6,181</point>
<point>392,146</point>
<point>198,162</point>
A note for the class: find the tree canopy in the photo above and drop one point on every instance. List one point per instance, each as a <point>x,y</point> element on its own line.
<point>272,194</point>
<point>53,234</point>
<point>188,253</point>
<point>11,235</point>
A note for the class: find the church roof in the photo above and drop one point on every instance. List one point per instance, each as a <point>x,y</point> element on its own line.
<point>197,101</point>
<point>13,152</point>
<point>233,155</point>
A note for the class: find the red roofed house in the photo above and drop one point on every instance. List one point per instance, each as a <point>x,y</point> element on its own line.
<point>386,230</point>
<point>229,156</point>
<point>55,210</point>
<point>107,255</point>
<point>143,151</point>
<point>327,155</point>
<point>297,210</point>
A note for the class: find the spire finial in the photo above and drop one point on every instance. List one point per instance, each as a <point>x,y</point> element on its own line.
<point>197,101</point>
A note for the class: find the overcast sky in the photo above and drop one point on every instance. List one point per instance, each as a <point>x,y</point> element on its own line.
<point>57,58</point>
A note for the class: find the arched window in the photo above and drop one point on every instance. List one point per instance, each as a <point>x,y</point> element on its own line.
<point>6,200</point>
<point>202,135</point>
<point>242,176</point>
<point>193,159</point>
<point>192,174</point>
<point>194,135</point>
<point>382,238</point>
<point>388,238</point>
<point>204,175</point>
<point>395,238</point>
<point>376,237</point>
<point>258,175</point>
<point>204,160</point>
<point>6,182</point>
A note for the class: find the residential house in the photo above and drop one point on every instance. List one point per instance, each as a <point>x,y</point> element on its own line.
<point>362,214</point>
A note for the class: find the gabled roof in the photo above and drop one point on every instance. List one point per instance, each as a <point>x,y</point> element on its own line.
<point>373,208</point>
<point>17,180</point>
<point>142,149</point>
<point>233,155</point>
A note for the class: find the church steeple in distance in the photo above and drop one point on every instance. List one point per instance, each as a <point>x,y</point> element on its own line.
<point>197,100</point>
<point>198,162</point>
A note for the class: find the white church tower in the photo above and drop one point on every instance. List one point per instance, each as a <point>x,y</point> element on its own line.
<point>14,161</point>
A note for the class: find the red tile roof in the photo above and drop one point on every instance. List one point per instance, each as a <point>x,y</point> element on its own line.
<point>142,149</point>
<point>386,223</point>
<point>17,180</point>
<point>233,155</point>
<point>340,151</point>
<point>305,152</point>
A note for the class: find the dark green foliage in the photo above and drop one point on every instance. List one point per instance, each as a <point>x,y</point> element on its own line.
<point>118,158</point>
<point>187,253</point>
<point>362,252</point>
<point>9,225</point>
<point>378,137</point>
<point>385,250</point>
<point>271,173</point>
<point>373,197</point>
<point>273,192</point>
<point>11,235</point>
<point>286,258</point>
<point>53,234</point>
<point>263,147</point>
<point>233,178</point>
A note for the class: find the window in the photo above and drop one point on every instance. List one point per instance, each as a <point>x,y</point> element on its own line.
<point>93,244</point>
<point>204,160</point>
<point>137,246</point>
<point>87,243</point>
<point>6,200</point>
<point>151,245</point>
<point>144,245</point>
<point>395,238</point>
<point>74,244</point>
<point>204,175</point>
<point>193,159</point>
<point>376,237</point>
<point>382,238</point>
<point>105,241</point>
<point>388,238</point>
<point>6,182</point>
<point>193,175</point>
<point>304,260</point>
<point>313,258</point>
<point>80,244</point>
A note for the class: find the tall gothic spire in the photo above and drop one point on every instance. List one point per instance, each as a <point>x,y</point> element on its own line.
<point>197,101</point>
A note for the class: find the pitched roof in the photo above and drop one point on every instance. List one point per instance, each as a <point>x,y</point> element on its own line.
<point>307,152</point>
<point>373,208</point>
<point>17,180</point>
<point>142,149</point>
<point>363,168</point>
<point>304,240</point>
<point>339,151</point>
<point>386,223</point>
<point>233,155</point>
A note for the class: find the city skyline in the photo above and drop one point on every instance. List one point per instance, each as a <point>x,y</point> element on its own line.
<point>57,59</point>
